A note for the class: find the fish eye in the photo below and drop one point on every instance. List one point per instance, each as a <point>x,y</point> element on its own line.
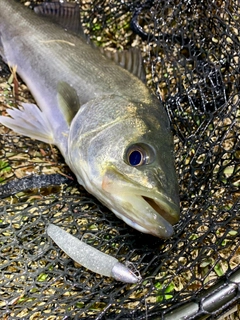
<point>136,158</point>
<point>138,155</point>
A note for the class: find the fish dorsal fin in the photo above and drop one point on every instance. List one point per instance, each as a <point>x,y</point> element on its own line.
<point>68,101</point>
<point>130,60</point>
<point>66,14</point>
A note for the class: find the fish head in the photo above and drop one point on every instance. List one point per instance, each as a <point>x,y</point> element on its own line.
<point>122,153</point>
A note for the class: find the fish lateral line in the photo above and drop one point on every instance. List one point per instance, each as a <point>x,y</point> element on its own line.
<point>57,40</point>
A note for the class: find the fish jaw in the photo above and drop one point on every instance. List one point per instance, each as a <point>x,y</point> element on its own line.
<point>152,223</point>
<point>144,209</point>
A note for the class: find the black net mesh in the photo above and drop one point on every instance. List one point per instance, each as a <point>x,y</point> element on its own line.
<point>191,51</point>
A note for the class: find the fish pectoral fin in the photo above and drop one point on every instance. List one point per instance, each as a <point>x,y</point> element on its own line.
<point>130,60</point>
<point>65,14</point>
<point>29,121</point>
<point>68,101</point>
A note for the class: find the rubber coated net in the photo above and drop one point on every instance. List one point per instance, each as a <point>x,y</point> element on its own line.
<point>191,51</point>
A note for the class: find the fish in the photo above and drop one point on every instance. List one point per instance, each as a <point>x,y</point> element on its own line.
<point>112,131</point>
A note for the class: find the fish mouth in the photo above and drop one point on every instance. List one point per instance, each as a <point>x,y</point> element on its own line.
<point>153,215</point>
<point>147,210</point>
<point>159,208</point>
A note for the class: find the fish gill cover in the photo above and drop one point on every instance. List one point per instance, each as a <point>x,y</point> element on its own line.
<point>191,51</point>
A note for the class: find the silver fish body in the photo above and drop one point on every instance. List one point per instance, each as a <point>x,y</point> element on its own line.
<point>112,131</point>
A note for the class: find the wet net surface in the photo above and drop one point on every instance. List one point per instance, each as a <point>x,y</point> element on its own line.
<point>191,51</point>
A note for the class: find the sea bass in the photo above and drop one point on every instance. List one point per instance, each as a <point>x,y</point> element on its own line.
<point>112,131</point>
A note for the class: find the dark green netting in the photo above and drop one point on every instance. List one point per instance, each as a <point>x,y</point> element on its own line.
<point>191,51</point>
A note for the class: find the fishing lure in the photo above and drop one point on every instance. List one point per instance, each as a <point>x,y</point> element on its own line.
<point>90,257</point>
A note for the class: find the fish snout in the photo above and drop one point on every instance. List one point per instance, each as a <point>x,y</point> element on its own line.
<point>145,209</point>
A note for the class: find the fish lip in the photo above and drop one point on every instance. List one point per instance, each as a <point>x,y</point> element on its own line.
<point>148,210</point>
<point>143,216</point>
<point>167,209</point>
<point>167,215</point>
